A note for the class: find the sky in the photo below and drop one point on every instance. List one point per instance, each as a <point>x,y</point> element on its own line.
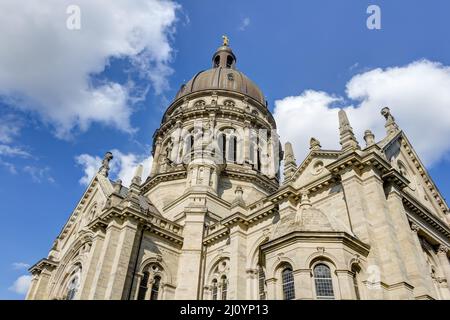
<point>72,89</point>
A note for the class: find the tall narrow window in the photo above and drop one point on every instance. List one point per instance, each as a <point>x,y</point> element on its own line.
<point>261,283</point>
<point>323,282</point>
<point>233,149</point>
<point>217,61</point>
<point>356,270</point>
<point>222,146</point>
<point>155,288</point>
<point>188,147</point>
<point>288,284</point>
<point>72,289</point>
<point>214,289</point>
<point>258,155</point>
<point>229,61</point>
<point>224,288</point>
<point>143,286</point>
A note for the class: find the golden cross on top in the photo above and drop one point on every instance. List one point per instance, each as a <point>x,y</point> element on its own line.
<point>225,40</point>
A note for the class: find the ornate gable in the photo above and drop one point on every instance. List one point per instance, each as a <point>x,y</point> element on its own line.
<point>403,157</point>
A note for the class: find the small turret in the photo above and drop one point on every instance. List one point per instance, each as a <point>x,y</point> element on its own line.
<point>290,164</point>
<point>347,137</point>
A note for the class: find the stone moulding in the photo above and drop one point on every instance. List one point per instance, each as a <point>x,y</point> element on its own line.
<point>314,236</point>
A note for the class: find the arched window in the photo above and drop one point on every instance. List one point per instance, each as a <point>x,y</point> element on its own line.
<point>214,289</point>
<point>143,286</point>
<point>288,283</point>
<point>356,270</point>
<point>72,289</point>
<point>188,146</point>
<point>222,146</point>
<point>229,61</point>
<point>217,61</point>
<point>155,288</point>
<point>323,282</point>
<point>261,283</point>
<point>233,149</point>
<point>74,283</point>
<point>224,287</point>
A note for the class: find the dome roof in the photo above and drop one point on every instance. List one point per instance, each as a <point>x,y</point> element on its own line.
<point>223,76</point>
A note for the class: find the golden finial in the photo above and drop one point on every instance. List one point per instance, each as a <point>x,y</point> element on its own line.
<point>225,41</point>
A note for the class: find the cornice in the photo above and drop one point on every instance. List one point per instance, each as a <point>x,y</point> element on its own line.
<point>162,177</point>
<point>420,213</point>
<point>153,223</point>
<point>315,236</point>
<point>43,264</point>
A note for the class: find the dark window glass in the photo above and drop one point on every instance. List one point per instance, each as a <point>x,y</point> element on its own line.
<point>155,288</point>
<point>143,286</point>
<point>288,284</point>
<point>323,282</point>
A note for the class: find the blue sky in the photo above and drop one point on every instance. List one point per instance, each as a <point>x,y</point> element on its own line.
<point>286,47</point>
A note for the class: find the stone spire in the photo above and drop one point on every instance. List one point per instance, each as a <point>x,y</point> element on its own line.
<point>390,125</point>
<point>347,137</point>
<point>137,179</point>
<point>369,138</point>
<point>289,161</point>
<point>104,169</point>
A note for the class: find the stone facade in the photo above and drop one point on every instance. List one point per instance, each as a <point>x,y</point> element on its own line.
<point>214,220</point>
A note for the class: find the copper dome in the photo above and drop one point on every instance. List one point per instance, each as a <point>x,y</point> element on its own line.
<point>222,76</point>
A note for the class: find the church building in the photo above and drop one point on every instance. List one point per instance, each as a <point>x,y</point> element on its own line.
<point>219,219</point>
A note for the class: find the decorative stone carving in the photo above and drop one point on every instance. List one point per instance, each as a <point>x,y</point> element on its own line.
<point>104,169</point>
<point>390,125</point>
<point>415,228</point>
<point>442,249</point>
<point>369,138</point>
<point>314,144</point>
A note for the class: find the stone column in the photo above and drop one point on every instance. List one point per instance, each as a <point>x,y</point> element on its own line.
<point>156,157</point>
<point>252,284</point>
<point>42,289</point>
<point>91,266</point>
<point>445,264</point>
<point>190,257</point>
<point>303,284</point>
<point>122,260</point>
<point>246,145</point>
<point>422,263</point>
<point>353,191</point>
<point>136,285</point>
<point>405,239</point>
<point>346,287</point>
<point>272,293</point>
<point>33,286</point>
<point>384,238</point>
<point>238,248</point>
<point>105,265</point>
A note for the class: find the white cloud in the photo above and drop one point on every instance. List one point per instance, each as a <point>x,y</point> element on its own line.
<point>10,127</point>
<point>122,166</point>
<point>21,285</point>
<point>10,151</point>
<point>417,95</point>
<point>244,24</point>
<point>39,175</point>
<point>20,265</point>
<point>48,69</point>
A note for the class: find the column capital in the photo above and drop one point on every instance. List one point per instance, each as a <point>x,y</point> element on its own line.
<point>415,228</point>
<point>252,273</point>
<point>442,249</point>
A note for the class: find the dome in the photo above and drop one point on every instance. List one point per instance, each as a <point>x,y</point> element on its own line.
<point>222,76</point>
